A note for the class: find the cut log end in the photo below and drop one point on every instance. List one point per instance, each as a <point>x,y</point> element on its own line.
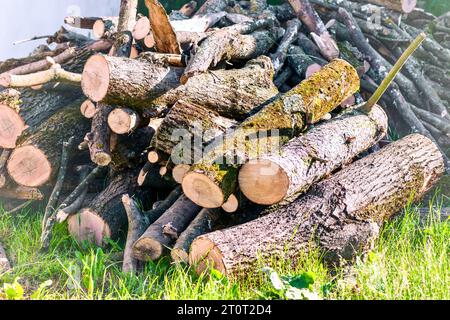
<point>147,249</point>
<point>141,29</point>
<point>149,41</point>
<point>122,121</point>
<point>88,109</point>
<point>263,182</point>
<point>205,255</point>
<point>231,205</point>
<point>154,157</point>
<point>103,159</point>
<point>98,30</point>
<point>11,127</point>
<point>29,167</point>
<point>312,69</point>
<point>88,226</point>
<point>141,177</point>
<point>179,256</point>
<point>95,78</point>
<point>180,171</point>
<point>202,191</point>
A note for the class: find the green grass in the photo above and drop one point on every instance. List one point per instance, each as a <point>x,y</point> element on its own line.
<point>410,261</point>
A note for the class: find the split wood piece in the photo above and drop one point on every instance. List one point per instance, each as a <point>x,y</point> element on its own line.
<point>305,160</point>
<point>341,216</point>
<point>50,210</point>
<point>301,63</point>
<point>4,156</point>
<point>99,137</point>
<point>88,109</point>
<point>189,122</point>
<point>156,156</point>
<point>105,27</point>
<point>21,193</point>
<point>204,223</point>
<point>127,15</point>
<point>210,183</point>
<point>5,266</point>
<point>105,217</point>
<point>162,30</point>
<point>406,6</point>
<point>137,224</point>
<point>74,201</point>
<point>306,13</point>
<point>141,29</point>
<point>279,57</point>
<point>123,121</point>
<point>179,171</point>
<point>165,231</point>
<point>37,158</point>
<point>56,73</point>
<point>149,177</point>
<point>239,42</point>
<point>232,93</point>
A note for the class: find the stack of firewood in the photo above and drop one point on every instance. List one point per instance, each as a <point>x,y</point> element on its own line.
<point>288,156</point>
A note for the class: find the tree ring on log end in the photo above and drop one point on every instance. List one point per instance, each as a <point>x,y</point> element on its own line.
<point>141,29</point>
<point>121,121</point>
<point>202,191</point>
<point>88,109</point>
<point>98,29</point>
<point>11,127</point>
<point>231,205</point>
<point>95,78</point>
<point>29,166</point>
<point>88,226</point>
<point>205,255</point>
<point>147,249</point>
<point>102,159</point>
<point>263,182</point>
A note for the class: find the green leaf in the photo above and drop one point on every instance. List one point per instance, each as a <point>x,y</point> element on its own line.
<point>37,294</point>
<point>13,291</point>
<point>303,281</point>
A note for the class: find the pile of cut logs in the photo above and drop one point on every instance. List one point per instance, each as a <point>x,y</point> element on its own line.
<point>90,126</point>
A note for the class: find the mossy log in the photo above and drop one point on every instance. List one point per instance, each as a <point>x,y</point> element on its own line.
<point>212,180</point>
<point>164,231</point>
<point>196,122</point>
<point>105,217</point>
<point>305,160</point>
<point>36,159</point>
<point>142,85</point>
<point>340,216</point>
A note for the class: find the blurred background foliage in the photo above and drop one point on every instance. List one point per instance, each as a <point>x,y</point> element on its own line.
<point>437,7</point>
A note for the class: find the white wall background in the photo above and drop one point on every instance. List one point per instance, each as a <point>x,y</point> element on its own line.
<point>22,19</point>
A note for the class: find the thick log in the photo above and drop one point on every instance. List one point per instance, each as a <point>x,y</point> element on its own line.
<point>164,231</point>
<point>88,109</point>
<point>37,158</point>
<point>203,223</point>
<point>305,160</point>
<point>306,13</point>
<point>105,217</point>
<point>141,29</point>
<point>139,84</point>
<point>195,123</point>
<point>340,216</point>
<point>21,193</point>
<point>127,15</point>
<point>211,181</point>
<point>233,43</point>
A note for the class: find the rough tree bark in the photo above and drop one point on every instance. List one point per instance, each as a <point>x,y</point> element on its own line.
<point>283,176</point>
<point>341,215</point>
<point>210,183</point>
